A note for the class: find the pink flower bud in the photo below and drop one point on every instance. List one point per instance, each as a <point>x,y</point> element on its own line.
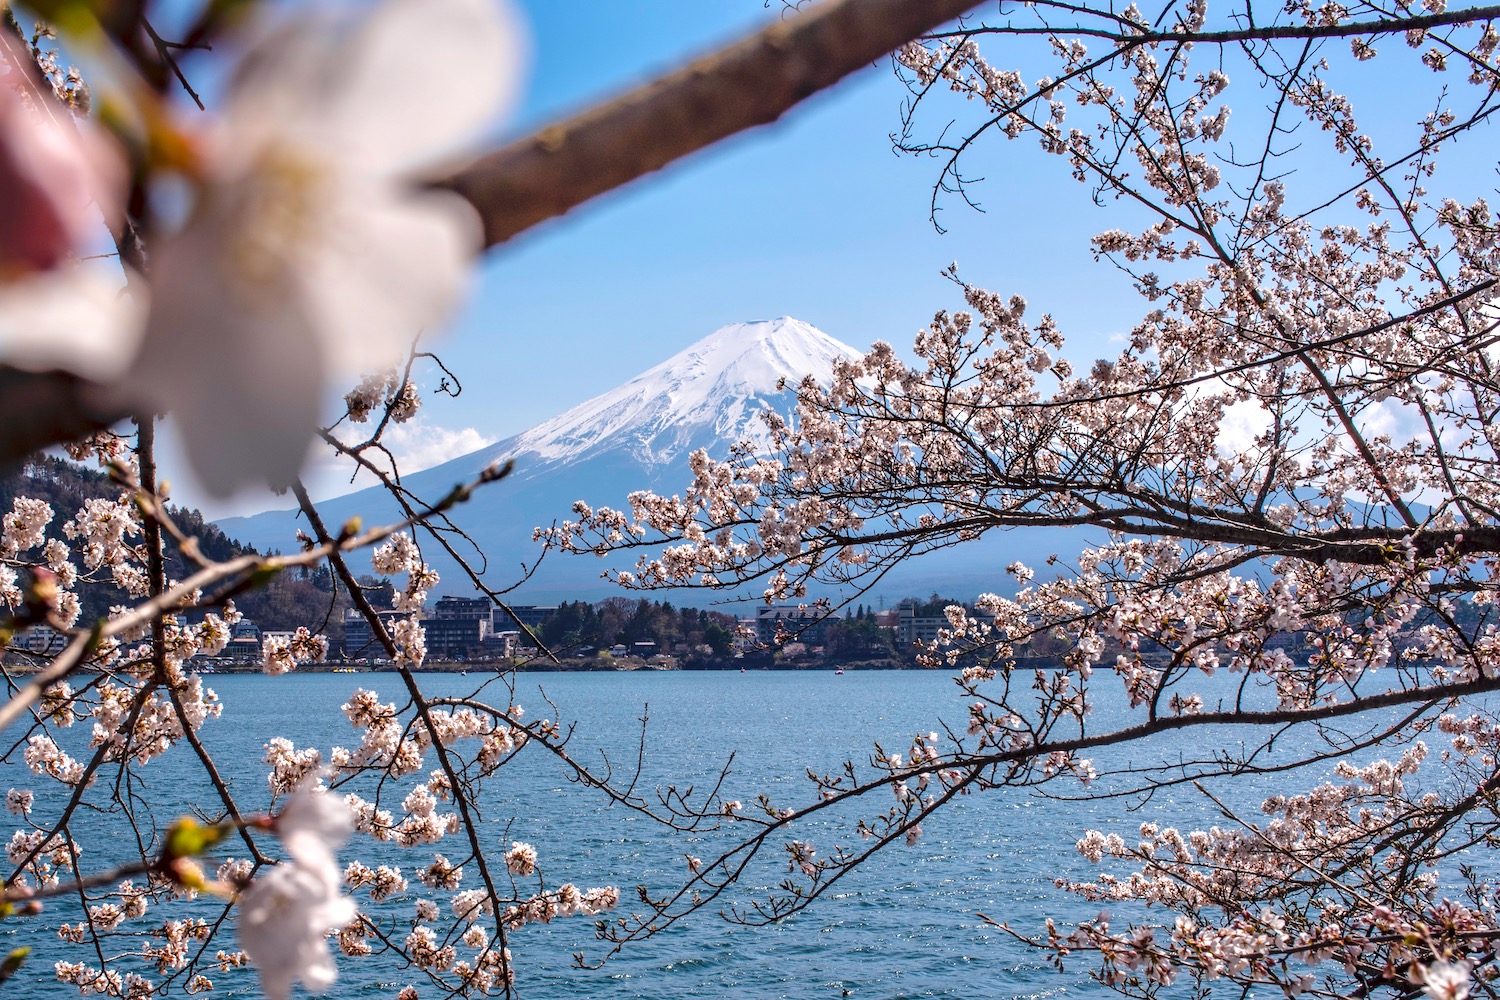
<point>54,170</point>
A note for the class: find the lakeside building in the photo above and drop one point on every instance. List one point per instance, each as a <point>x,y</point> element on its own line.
<point>912,628</point>
<point>458,628</point>
<point>804,621</point>
<point>244,642</point>
<point>44,640</point>
<point>359,640</point>
<point>530,615</point>
<point>502,645</point>
<point>452,638</point>
<point>746,636</point>
<point>452,608</point>
<point>474,628</point>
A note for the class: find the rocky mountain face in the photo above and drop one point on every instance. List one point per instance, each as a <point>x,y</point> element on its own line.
<point>636,436</point>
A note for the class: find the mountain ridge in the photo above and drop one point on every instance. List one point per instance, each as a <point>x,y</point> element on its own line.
<point>636,436</point>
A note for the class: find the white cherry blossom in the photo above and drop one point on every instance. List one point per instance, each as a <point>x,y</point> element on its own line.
<point>285,916</point>
<point>1446,980</point>
<point>57,174</point>
<point>311,250</point>
<point>60,182</point>
<point>288,911</point>
<point>75,318</point>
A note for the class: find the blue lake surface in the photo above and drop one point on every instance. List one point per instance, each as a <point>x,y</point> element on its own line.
<point>906,925</point>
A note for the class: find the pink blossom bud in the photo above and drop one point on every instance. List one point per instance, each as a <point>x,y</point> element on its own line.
<point>53,171</point>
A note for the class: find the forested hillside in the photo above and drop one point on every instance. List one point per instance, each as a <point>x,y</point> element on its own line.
<point>287,600</point>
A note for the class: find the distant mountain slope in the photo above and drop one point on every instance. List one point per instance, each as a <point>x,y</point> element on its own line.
<point>636,436</point>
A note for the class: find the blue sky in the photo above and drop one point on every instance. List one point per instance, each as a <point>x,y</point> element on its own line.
<point>813,217</point>
<point>818,218</point>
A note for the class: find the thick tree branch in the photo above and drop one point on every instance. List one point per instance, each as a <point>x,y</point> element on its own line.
<point>752,82</point>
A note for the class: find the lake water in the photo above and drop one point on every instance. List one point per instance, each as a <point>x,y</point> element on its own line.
<point>905,926</point>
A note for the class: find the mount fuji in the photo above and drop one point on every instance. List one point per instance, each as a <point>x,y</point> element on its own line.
<point>636,436</point>
<point>708,396</point>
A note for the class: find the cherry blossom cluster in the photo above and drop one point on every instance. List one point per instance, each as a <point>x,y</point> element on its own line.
<point>281,654</point>
<point>399,396</point>
<point>452,900</point>
<point>1282,487</point>
<point>1283,479</point>
<point>150,700</point>
<point>400,555</point>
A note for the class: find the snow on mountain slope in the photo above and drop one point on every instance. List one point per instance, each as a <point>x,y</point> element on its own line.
<point>711,393</point>
<point>637,436</point>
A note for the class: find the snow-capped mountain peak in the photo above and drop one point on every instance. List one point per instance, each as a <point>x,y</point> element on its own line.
<point>636,436</point>
<point>709,393</point>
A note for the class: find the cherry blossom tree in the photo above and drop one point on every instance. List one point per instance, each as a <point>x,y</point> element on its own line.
<point>301,236</point>
<point>1327,574</point>
<point>1281,494</point>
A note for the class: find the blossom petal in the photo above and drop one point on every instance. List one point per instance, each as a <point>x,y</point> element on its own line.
<point>397,267</point>
<point>75,319</point>
<point>409,83</point>
<point>314,825</point>
<point>54,170</point>
<point>243,376</point>
<point>304,255</point>
<point>424,76</point>
<point>285,915</point>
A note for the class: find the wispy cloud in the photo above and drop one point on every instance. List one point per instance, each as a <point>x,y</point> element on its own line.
<point>419,445</point>
<point>416,446</point>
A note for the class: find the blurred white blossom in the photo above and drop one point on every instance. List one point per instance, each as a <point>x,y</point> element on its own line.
<point>311,251</point>
<point>1446,980</point>
<point>288,911</point>
<point>60,179</point>
<point>57,174</point>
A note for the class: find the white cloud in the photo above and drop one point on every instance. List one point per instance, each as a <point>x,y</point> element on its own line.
<point>1243,421</point>
<point>416,445</point>
<point>419,445</point>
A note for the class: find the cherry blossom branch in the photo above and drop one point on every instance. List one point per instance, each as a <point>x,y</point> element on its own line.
<point>1134,35</point>
<point>85,779</point>
<point>700,891</point>
<point>221,787</point>
<point>407,501</point>
<point>81,884</point>
<point>239,572</point>
<point>424,711</point>
<point>749,83</point>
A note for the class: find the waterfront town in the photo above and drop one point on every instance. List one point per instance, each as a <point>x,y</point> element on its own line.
<point>623,635</point>
<point>615,634</point>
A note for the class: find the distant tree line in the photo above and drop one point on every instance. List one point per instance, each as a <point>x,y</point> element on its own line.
<point>622,621</point>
